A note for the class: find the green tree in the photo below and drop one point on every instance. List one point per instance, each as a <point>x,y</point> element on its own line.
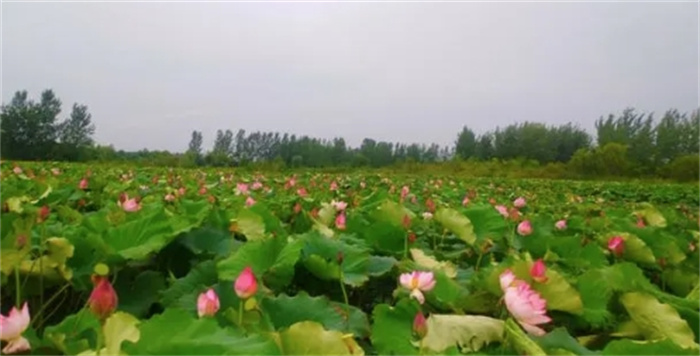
<point>465,146</point>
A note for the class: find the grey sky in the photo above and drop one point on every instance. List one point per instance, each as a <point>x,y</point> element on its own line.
<point>411,72</point>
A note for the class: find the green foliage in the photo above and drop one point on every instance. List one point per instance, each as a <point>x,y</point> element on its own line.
<point>338,289</point>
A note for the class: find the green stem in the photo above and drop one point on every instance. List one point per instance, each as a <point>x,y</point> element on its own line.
<point>478,260</point>
<point>43,307</point>
<point>345,297</point>
<point>41,264</point>
<point>405,247</point>
<point>420,346</point>
<point>18,292</point>
<point>100,335</point>
<point>240,313</point>
<point>442,238</point>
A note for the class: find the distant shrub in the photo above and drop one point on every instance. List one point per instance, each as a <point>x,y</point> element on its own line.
<point>684,168</point>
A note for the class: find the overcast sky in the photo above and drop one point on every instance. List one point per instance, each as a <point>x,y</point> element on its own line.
<point>151,73</point>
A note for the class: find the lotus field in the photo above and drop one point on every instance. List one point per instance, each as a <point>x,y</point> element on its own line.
<point>142,261</point>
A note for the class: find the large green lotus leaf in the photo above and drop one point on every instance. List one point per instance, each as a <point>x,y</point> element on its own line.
<point>634,347</point>
<point>250,224</point>
<point>137,239</point>
<point>635,249</point>
<point>320,257</point>
<point>272,258</point>
<point>488,223</point>
<point>10,257</point>
<point>521,342</point>
<point>52,265</point>
<point>380,265</point>
<point>210,240</point>
<point>326,215</point>
<point>310,338</point>
<point>392,212</point>
<point>68,215</point>
<point>285,310</point>
<point>469,332</point>
<point>652,215</point>
<point>680,281</point>
<point>538,242</point>
<point>192,215</point>
<point>560,339</point>
<point>138,293</point>
<point>457,223</point>
<point>392,328</point>
<point>596,292</point>
<point>74,334</point>
<point>560,295</point>
<point>432,263</point>
<point>119,327</point>
<point>658,321</point>
<point>196,281</point>
<point>178,332</point>
<point>576,256</point>
<point>273,224</point>
<point>381,235</point>
<point>694,294</point>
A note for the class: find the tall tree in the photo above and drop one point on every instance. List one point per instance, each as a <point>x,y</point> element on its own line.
<point>75,134</point>
<point>195,145</point>
<point>29,129</point>
<point>465,146</point>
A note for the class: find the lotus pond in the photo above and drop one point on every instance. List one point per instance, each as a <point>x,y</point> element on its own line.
<point>145,261</point>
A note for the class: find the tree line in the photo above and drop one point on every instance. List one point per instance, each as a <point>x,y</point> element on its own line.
<point>627,144</point>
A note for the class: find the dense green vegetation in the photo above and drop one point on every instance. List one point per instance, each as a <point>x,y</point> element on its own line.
<point>124,260</point>
<point>626,145</point>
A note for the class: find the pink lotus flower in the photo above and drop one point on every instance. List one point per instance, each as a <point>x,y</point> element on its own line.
<point>616,244</point>
<point>169,197</point>
<point>302,192</point>
<point>129,205</point>
<point>17,170</point>
<point>420,326</point>
<point>406,222</point>
<point>241,188</point>
<point>560,225</point>
<point>465,201</point>
<point>404,192</point>
<point>523,303</point>
<point>339,205</point>
<point>207,303</point>
<point>640,222</point>
<point>334,186</point>
<point>246,285</point>
<point>202,190</point>
<point>290,183</point>
<point>430,205</point>
<point>519,203</point>
<point>340,221</point>
<point>256,185</point>
<point>538,271</point>
<point>11,328</point>
<point>103,299</point>
<point>83,184</point>
<point>249,202</point>
<point>181,191</point>
<point>502,210</point>
<point>418,282</point>
<point>525,228</point>
<point>297,208</point>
